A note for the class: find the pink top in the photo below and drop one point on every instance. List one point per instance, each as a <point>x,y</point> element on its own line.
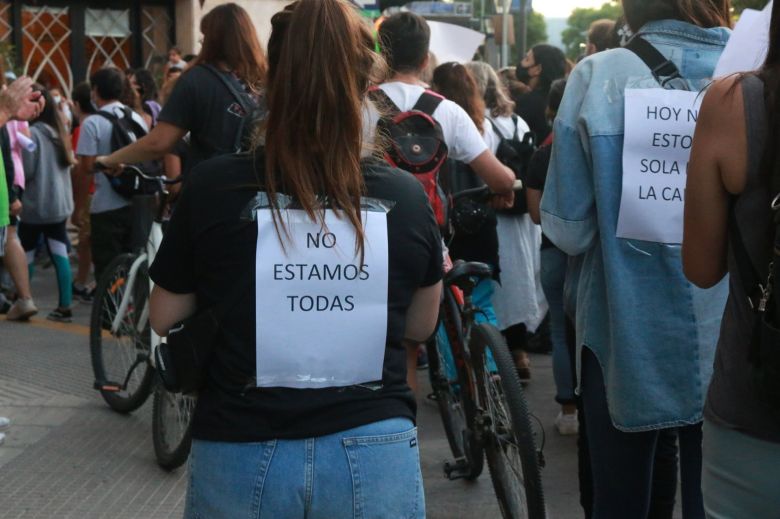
<point>14,128</point>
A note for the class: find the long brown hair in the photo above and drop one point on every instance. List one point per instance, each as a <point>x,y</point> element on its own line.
<point>704,13</point>
<point>229,38</point>
<point>321,63</point>
<point>455,82</point>
<point>51,116</point>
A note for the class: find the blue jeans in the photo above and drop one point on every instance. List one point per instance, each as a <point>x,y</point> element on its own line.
<point>631,470</point>
<point>741,475</point>
<point>371,471</point>
<point>553,274</point>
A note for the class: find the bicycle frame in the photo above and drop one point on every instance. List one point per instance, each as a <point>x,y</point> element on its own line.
<point>152,245</point>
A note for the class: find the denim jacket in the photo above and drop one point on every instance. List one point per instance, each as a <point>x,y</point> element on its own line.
<point>653,332</point>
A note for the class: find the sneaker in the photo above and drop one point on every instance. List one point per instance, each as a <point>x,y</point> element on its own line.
<point>422,358</point>
<point>22,310</point>
<point>5,423</point>
<point>5,306</point>
<point>83,293</point>
<point>567,424</point>
<point>62,315</point>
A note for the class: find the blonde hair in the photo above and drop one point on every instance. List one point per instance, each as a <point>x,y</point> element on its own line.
<point>492,89</point>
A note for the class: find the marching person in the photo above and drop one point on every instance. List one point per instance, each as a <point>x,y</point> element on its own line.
<point>305,411</point>
<point>646,336</point>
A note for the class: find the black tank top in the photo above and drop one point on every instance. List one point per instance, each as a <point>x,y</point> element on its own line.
<point>732,400</point>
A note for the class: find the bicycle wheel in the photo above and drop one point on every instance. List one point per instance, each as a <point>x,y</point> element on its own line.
<point>508,439</point>
<point>171,426</point>
<point>120,360</point>
<point>456,408</point>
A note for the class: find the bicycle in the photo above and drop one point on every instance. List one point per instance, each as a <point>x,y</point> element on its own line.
<point>122,341</point>
<point>483,407</point>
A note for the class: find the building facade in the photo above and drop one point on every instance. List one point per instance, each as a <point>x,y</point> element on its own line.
<point>60,43</point>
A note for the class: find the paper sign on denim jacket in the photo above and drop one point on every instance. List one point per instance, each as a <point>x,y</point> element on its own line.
<point>321,315</point>
<point>659,126</point>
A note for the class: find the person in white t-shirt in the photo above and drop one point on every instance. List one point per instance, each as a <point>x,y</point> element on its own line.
<point>405,44</point>
<point>404,40</point>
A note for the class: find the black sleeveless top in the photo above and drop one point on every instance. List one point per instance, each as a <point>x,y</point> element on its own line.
<point>732,400</point>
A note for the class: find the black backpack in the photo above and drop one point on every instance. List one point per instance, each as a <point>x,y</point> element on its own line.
<point>252,112</point>
<point>515,153</point>
<point>416,144</point>
<point>124,131</point>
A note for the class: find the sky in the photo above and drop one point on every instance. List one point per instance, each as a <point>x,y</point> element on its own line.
<point>562,8</point>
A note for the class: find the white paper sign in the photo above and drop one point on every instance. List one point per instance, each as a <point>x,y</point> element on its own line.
<point>451,42</point>
<point>659,126</point>
<point>321,317</point>
<point>748,44</point>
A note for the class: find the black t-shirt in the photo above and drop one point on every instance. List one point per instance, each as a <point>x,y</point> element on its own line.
<point>537,176</point>
<point>531,107</point>
<point>201,104</point>
<point>207,247</point>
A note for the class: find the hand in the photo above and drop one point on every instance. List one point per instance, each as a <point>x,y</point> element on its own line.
<point>103,164</point>
<point>16,208</point>
<point>504,201</point>
<point>19,101</point>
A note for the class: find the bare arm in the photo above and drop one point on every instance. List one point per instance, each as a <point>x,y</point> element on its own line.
<point>717,167</point>
<point>498,177</point>
<point>172,169</point>
<point>154,146</point>
<point>81,179</point>
<point>166,309</point>
<point>421,318</point>
<point>533,198</point>
<point>423,313</point>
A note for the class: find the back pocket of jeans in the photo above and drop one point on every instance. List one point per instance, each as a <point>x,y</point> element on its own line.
<point>386,480</point>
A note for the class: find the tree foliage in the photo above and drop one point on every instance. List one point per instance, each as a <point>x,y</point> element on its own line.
<point>739,5</point>
<point>579,21</point>
<point>537,29</point>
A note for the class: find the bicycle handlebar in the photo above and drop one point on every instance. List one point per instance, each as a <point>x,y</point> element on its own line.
<point>483,191</point>
<point>137,171</point>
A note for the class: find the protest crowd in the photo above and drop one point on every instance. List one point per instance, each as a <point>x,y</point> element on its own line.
<point>328,165</point>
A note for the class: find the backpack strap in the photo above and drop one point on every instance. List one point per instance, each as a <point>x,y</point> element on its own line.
<point>664,70</point>
<point>428,103</point>
<point>385,103</point>
<point>751,280</point>
<point>240,97</point>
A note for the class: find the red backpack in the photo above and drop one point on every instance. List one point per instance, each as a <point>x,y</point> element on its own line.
<point>416,143</point>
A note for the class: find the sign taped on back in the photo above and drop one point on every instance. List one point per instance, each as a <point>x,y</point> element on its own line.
<point>321,316</point>
<point>659,127</point>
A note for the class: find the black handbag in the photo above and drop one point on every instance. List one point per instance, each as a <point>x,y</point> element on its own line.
<point>182,360</point>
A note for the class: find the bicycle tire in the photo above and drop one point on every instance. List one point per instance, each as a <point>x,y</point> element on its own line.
<point>456,409</point>
<point>518,487</point>
<point>108,294</point>
<point>171,450</point>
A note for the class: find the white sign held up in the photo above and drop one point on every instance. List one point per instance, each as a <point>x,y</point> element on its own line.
<point>659,127</point>
<point>321,315</point>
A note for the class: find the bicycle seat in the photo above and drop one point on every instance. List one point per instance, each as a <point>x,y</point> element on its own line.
<point>463,273</point>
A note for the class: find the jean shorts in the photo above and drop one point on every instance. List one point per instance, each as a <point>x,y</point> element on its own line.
<point>369,472</point>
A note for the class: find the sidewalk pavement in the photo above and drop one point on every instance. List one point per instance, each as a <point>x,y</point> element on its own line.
<point>68,456</point>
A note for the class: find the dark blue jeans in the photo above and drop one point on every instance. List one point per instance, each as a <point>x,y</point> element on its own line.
<point>630,470</point>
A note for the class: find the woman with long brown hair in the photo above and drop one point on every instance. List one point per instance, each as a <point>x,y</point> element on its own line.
<point>646,336</point>
<point>215,100</point>
<point>322,265</point>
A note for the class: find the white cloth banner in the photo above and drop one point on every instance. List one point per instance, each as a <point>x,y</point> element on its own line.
<point>321,317</point>
<point>451,42</point>
<point>748,45</point>
<point>659,126</point>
